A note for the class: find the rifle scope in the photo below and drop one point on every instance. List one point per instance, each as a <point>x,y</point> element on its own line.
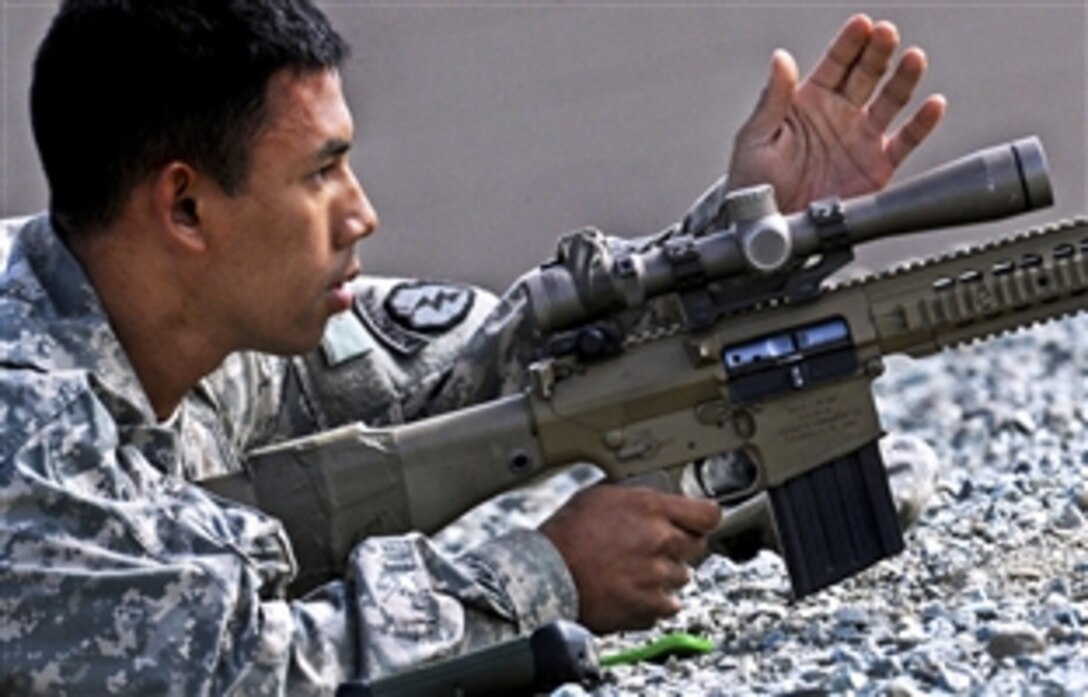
<point>751,238</point>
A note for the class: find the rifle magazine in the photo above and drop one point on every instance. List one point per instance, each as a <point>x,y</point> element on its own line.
<point>836,520</point>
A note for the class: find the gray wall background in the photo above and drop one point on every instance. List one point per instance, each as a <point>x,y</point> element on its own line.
<point>486,129</point>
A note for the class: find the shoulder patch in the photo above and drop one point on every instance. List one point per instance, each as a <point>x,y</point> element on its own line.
<point>430,307</point>
<point>370,308</point>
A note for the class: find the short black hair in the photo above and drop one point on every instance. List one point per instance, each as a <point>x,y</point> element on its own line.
<point>123,87</point>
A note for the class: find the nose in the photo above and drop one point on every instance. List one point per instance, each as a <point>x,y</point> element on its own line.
<point>360,218</point>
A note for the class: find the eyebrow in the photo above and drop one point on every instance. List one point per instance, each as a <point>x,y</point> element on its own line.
<point>332,149</point>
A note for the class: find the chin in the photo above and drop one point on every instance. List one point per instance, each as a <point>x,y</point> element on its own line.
<point>296,343</point>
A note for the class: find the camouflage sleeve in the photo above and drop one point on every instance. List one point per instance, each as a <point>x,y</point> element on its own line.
<point>115,578</point>
<point>417,605</point>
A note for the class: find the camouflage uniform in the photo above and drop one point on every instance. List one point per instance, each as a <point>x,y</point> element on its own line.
<point>118,575</point>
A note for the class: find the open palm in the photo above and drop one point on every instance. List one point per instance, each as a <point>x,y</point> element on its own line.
<point>828,136</point>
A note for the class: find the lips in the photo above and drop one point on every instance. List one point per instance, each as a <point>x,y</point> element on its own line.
<point>343,279</point>
<point>337,293</point>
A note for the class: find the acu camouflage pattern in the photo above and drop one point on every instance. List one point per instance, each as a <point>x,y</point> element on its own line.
<point>117,575</point>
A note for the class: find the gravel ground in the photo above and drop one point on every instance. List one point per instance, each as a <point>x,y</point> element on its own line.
<point>990,596</point>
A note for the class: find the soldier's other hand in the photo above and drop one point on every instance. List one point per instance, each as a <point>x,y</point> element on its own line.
<point>829,136</point>
<point>628,550</point>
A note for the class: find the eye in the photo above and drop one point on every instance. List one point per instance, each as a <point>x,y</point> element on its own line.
<point>326,172</point>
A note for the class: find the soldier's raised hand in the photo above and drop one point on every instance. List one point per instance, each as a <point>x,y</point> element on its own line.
<point>830,135</point>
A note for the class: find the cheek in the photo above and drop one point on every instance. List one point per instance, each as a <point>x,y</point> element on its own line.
<point>294,250</point>
<point>309,231</point>
<point>299,241</point>
<point>306,267</point>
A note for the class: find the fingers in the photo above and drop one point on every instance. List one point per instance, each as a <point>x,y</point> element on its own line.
<point>842,53</point>
<point>651,596</point>
<point>685,548</point>
<point>914,131</point>
<point>869,69</point>
<point>857,60</point>
<point>627,550</point>
<point>898,91</point>
<point>695,516</point>
<point>658,591</point>
<point>661,598</point>
<point>776,98</point>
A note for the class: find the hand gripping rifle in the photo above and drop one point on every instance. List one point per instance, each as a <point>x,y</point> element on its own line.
<point>658,361</point>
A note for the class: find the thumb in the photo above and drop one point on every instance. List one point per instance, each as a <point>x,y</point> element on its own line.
<point>776,98</point>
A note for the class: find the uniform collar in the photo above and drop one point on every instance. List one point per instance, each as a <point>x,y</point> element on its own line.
<point>51,319</point>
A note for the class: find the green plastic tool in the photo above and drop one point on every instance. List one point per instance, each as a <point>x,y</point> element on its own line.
<point>678,644</point>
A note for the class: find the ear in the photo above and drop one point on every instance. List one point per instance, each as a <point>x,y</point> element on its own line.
<point>178,199</point>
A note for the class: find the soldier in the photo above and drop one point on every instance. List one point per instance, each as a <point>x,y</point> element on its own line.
<point>201,231</point>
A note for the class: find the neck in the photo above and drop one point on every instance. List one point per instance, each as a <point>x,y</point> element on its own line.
<point>152,315</point>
